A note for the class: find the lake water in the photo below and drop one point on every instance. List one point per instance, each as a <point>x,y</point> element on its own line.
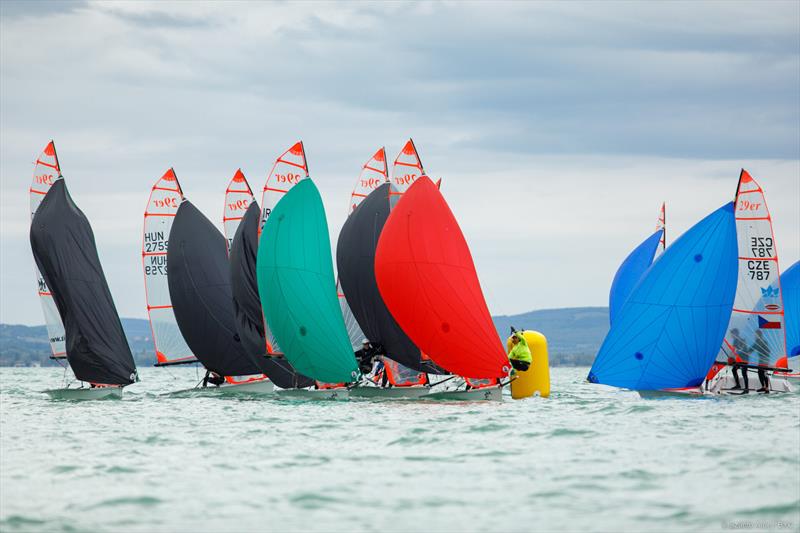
<point>588,458</point>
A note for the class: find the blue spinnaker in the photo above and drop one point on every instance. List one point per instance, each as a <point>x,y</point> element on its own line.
<point>668,332</point>
<point>790,286</point>
<point>630,272</point>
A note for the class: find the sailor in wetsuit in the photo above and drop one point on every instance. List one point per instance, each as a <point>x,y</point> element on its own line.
<point>740,350</point>
<point>761,348</point>
<point>366,356</point>
<point>213,378</point>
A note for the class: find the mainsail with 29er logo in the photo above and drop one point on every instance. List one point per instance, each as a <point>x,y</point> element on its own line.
<point>165,198</point>
<point>756,332</point>
<point>45,172</point>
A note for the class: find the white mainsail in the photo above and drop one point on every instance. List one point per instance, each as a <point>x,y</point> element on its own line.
<point>162,206</point>
<point>238,197</point>
<point>756,331</point>
<point>45,172</point>
<point>287,171</point>
<point>406,169</point>
<point>373,174</point>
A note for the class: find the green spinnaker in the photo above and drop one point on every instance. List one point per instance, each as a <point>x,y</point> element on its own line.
<point>298,289</point>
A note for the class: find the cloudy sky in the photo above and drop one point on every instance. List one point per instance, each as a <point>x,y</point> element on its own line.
<point>558,128</point>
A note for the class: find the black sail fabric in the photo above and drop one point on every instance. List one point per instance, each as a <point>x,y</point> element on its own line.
<point>65,252</point>
<point>355,260</point>
<point>200,290</point>
<point>247,303</point>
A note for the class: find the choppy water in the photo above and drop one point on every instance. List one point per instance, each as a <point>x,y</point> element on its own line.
<point>588,458</point>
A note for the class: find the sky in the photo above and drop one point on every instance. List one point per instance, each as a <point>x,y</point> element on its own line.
<point>557,128</point>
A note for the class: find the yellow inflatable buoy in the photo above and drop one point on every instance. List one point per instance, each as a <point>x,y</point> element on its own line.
<point>535,380</point>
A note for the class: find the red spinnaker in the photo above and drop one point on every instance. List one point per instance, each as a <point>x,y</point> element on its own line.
<point>427,278</point>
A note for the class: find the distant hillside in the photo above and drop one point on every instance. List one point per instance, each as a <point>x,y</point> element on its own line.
<point>574,336</point>
<point>28,346</point>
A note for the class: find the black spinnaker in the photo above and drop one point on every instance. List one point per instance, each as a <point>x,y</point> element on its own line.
<point>64,249</point>
<point>355,261</point>
<point>200,290</point>
<point>247,304</point>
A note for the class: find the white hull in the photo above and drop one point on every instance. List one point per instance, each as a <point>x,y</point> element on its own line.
<point>494,394</point>
<point>724,383</point>
<point>793,379</point>
<point>695,392</point>
<point>390,392</point>
<point>314,394</point>
<point>96,393</point>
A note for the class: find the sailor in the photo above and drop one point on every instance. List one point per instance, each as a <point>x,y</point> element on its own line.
<point>761,348</point>
<point>213,378</point>
<point>365,356</point>
<point>520,354</point>
<point>740,350</point>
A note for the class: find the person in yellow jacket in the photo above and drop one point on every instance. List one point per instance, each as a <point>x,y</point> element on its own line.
<point>520,354</point>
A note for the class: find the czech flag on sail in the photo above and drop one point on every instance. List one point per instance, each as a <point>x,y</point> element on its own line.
<point>766,324</point>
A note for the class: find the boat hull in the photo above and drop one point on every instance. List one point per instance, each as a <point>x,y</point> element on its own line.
<point>264,386</point>
<point>97,393</point>
<point>493,394</point>
<point>389,392</point>
<point>313,394</point>
<point>693,392</point>
<point>724,383</point>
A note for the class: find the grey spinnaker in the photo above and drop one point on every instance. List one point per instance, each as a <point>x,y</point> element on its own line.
<point>355,260</point>
<point>200,290</point>
<point>247,303</point>
<point>65,251</point>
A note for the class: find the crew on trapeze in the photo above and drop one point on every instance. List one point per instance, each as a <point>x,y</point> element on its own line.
<point>740,348</point>
<point>367,356</point>
<point>519,355</point>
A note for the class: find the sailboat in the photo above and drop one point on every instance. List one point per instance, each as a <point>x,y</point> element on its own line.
<point>298,290</point>
<point>162,206</point>
<point>66,255</point>
<point>405,369</point>
<point>756,334</point>
<point>428,281</point>
<point>200,289</point>
<point>241,221</point>
<point>669,329</point>
<point>45,172</point>
<point>635,265</point>
<point>790,286</point>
